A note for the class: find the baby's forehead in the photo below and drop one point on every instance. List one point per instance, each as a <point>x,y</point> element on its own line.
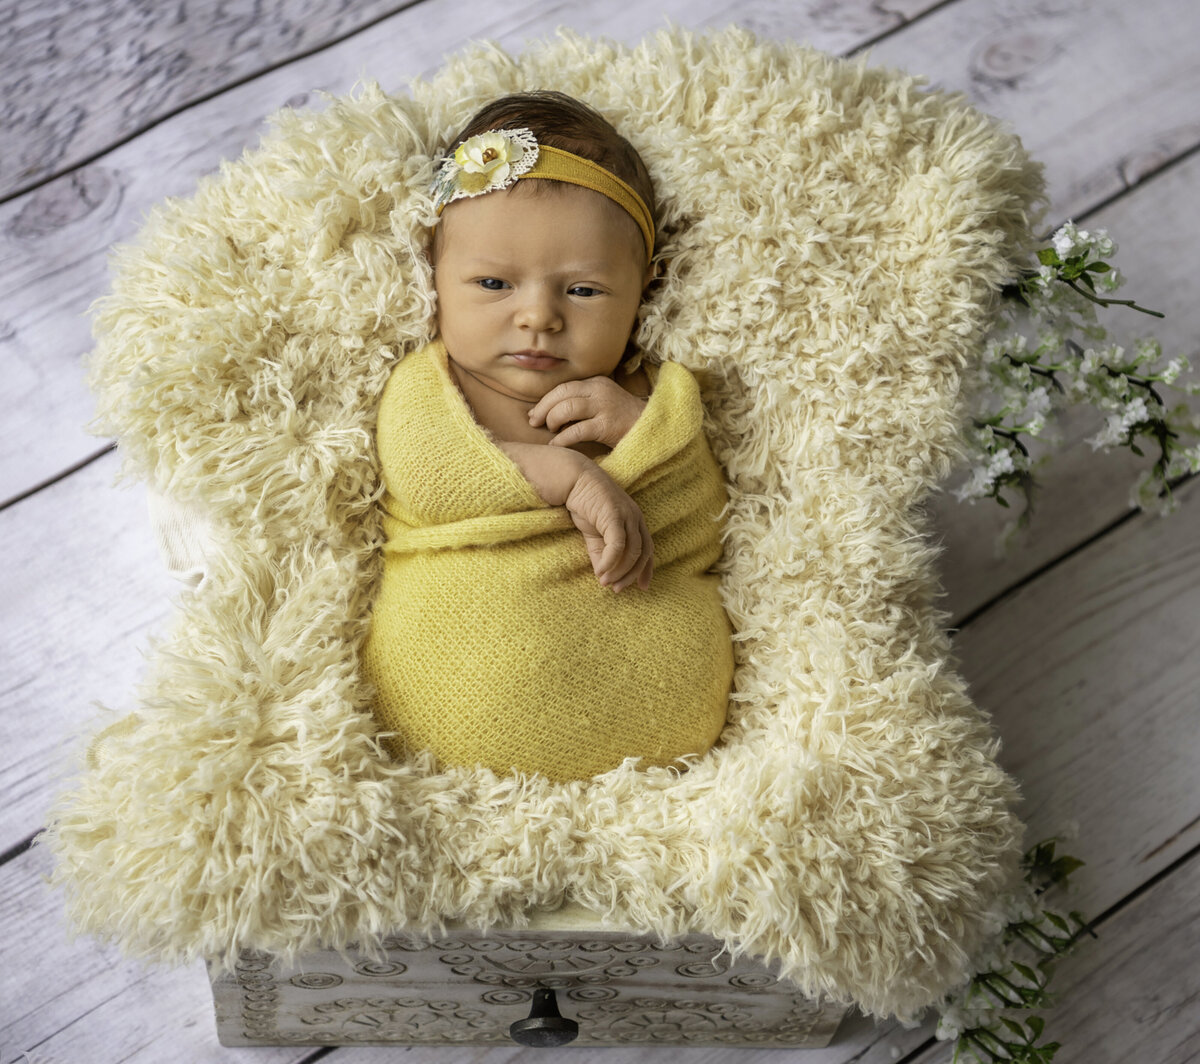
<point>538,213</point>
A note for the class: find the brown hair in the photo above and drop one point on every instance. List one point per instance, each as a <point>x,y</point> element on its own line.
<point>564,122</point>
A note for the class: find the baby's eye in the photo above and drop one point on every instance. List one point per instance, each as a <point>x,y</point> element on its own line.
<point>491,284</point>
<point>583,290</point>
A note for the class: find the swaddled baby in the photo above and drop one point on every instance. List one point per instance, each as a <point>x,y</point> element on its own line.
<point>552,505</point>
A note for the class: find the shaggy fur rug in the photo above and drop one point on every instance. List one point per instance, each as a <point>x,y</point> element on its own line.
<point>834,238</point>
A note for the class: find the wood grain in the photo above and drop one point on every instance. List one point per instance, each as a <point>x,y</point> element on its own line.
<point>83,592</point>
<point>1130,994</point>
<point>1123,89</point>
<point>1094,683</point>
<point>74,1002</point>
<point>78,78</point>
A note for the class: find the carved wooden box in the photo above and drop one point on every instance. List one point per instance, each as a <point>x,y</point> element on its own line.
<point>468,988</point>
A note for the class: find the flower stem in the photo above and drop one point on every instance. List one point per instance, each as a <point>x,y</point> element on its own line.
<point>1099,301</point>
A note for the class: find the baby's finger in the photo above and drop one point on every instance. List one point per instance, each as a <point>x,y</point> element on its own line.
<point>578,432</point>
<point>644,569</point>
<point>552,398</point>
<point>640,574</point>
<point>595,550</point>
<point>637,542</point>
<point>614,562</point>
<point>573,408</point>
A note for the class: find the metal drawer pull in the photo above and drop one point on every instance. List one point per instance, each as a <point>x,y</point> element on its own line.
<point>544,1026</point>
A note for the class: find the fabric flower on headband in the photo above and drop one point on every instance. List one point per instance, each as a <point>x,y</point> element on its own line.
<point>485,163</point>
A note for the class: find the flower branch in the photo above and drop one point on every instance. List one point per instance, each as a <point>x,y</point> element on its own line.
<point>1016,975</point>
<point>1047,352</point>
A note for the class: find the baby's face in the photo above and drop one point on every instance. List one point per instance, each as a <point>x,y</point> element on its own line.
<point>538,287</point>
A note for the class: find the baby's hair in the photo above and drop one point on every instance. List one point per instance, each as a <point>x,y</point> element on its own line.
<point>563,122</point>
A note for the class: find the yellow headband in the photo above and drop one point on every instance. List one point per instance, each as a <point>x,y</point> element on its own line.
<point>499,158</point>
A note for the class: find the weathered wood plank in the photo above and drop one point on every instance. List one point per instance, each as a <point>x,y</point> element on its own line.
<point>1093,680</point>
<point>1103,93</point>
<point>1082,490</point>
<point>77,78</point>
<point>83,591</point>
<point>66,1002</point>
<point>1130,995</point>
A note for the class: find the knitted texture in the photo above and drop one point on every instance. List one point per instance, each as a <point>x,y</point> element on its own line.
<point>493,643</point>
<point>833,238</point>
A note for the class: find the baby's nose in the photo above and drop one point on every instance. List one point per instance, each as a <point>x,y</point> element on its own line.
<point>539,311</point>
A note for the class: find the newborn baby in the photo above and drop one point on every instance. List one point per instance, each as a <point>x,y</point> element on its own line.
<point>552,505</point>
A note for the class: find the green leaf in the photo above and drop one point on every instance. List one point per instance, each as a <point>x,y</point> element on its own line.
<point>1049,257</point>
<point>1063,867</point>
<point>1026,972</point>
<point>1013,1026</point>
<point>1058,921</point>
<point>1087,280</point>
<point>1098,267</point>
<point>1037,1025</point>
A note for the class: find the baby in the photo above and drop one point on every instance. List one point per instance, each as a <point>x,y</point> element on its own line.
<point>535,471</point>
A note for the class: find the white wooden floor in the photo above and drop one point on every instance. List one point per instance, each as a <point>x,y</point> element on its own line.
<point>1082,643</point>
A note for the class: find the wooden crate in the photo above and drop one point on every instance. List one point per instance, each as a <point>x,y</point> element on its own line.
<point>467,988</point>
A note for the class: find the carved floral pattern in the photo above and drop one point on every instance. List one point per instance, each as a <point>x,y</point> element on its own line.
<point>614,987</point>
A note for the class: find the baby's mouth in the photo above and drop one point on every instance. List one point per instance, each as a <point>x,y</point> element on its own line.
<point>534,359</point>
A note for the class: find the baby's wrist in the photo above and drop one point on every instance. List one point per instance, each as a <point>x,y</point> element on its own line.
<point>553,471</point>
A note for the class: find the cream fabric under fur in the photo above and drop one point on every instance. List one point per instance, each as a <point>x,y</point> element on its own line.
<point>834,236</point>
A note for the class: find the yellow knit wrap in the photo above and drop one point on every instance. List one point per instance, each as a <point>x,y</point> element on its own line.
<point>491,640</point>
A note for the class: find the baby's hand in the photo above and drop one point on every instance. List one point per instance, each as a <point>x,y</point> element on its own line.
<point>614,530</point>
<point>596,408</point>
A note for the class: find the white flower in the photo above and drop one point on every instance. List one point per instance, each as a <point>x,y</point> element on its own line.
<point>1119,426</point>
<point>977,485</point>
<point>1001,463</point>
<point>1050,338</point>
<point>957,1018</point>
<point>1111,435</point>
<point>1064,240</point>
<point>489,153</point>
<point>1037,407</point>
<point>483,163</point>
<point>1147,349</point>
<point>1136,412</point>
<point>1071,242</point>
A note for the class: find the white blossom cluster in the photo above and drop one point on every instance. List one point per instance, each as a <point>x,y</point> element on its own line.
<point>1046,351</point>
<point>968,1008</point>
<point>983,1017</point>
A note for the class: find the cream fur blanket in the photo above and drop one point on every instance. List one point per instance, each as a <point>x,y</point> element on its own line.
<point>834,238</point>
